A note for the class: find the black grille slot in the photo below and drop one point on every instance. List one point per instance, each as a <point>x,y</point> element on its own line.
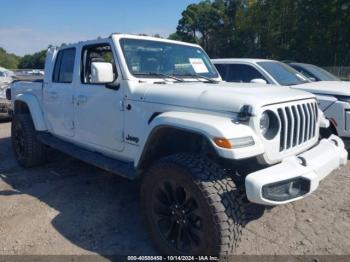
<point>307,121</point>
<point>283,124</point>
<point>290,129</point>
<point>296,126</point>
<point>302,124</point>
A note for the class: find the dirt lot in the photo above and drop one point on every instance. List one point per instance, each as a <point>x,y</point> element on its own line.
<point>68,207</point>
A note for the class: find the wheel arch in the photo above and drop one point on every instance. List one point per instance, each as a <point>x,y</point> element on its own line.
<point>166,140</point>
<point>189,130</point>
<point>29,104</point>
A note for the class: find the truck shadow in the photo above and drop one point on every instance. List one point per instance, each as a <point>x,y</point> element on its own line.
<point>97,211</point>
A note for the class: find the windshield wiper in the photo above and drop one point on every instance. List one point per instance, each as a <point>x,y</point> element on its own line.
<point>210,80</point>
<point>164,76</point>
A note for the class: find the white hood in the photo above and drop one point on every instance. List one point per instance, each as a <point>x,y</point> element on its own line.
<point>220,97</point>
<point>326,87</point>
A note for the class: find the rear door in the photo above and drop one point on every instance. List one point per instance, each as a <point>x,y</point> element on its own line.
<point>58,94</point>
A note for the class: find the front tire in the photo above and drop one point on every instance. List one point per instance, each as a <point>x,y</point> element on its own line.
<point>29,152</point>
<point>191,207</point>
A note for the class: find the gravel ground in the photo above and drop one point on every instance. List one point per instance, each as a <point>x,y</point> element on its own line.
<point>68,207</point>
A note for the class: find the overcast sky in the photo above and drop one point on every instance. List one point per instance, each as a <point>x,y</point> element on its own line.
<point>28,26</point>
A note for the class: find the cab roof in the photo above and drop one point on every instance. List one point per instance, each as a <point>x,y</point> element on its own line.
<point>118,36</point>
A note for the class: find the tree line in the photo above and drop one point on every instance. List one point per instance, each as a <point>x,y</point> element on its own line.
<point>311,31</point>
<point>8,60</point>
<point>11,61</point>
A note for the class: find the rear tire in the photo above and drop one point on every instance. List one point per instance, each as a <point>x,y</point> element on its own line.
<point>29,152</point>
<point>191,207</point>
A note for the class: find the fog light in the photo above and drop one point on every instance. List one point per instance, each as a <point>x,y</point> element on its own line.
<point>287,189</point>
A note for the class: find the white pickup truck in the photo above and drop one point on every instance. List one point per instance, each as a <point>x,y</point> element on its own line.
<point>333,96</point>
<point>156,109</point>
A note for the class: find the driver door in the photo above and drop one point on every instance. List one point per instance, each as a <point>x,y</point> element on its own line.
<point>98,117</point>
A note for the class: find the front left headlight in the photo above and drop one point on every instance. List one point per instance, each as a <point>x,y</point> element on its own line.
<point>264,123</point>
<point>269,124</point>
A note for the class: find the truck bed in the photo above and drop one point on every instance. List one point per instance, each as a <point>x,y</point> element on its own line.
<point>34,88</point>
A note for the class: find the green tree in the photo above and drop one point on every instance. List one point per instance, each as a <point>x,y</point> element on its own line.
<point>324,33</point>
<point>198,23</point>
<point>7,60</point>
<point>211,24</point>
<point>35,61</point>
<point>304,30</point>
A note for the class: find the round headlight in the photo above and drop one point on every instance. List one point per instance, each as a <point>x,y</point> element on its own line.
<point>269,124</point>
<point>264,123</point>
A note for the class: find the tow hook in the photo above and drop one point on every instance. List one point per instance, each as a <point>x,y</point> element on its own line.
<point>302,161</point>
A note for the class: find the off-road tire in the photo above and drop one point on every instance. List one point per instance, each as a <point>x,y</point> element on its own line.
<point>220,202</point>
<point>32,152</point>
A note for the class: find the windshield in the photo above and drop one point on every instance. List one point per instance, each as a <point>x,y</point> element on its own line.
<point>320,73</point>
<point>147,58</point>
<point>283,74</point>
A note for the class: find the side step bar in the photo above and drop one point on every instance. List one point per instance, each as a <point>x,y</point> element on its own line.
<point>124,169</point>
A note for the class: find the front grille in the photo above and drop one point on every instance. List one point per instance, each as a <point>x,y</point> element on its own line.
<point>298,124</point>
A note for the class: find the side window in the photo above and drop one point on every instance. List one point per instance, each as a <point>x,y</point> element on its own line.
<point>64,66</point>
<point>222,68</point>
<point>242,73</point>
<point>95,53</point>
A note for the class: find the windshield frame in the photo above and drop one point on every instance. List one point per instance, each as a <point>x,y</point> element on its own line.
<point>216,75</point>
<point>286,68</point>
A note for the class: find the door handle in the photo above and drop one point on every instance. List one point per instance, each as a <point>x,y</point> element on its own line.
<point>81,100</point>
<point>53,95</point>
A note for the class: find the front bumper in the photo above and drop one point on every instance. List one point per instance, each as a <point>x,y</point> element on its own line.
<point>5,108</point>
<point>298,176</point>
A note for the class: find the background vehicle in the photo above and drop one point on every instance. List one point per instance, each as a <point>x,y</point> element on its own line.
<point>333,96</point>
<point>5,105</point>
<point>313,73</point>
<point>6,76</point>
<point>5,80</point>
<point>156,109</point>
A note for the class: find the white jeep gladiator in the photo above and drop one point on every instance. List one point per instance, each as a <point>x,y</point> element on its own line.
<point>156,109</point>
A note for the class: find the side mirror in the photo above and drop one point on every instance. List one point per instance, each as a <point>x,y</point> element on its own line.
<point>102,73</point>
<point>258,81</point>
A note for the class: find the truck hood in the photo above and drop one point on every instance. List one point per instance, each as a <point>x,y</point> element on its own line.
<point>326,88</point>
<point>221,97</point>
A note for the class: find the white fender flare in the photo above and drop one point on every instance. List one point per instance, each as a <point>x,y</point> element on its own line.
<point>35,110</point>
<point>210,126</point>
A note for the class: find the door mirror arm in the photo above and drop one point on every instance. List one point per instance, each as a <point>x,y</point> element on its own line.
<point>113,86</point>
